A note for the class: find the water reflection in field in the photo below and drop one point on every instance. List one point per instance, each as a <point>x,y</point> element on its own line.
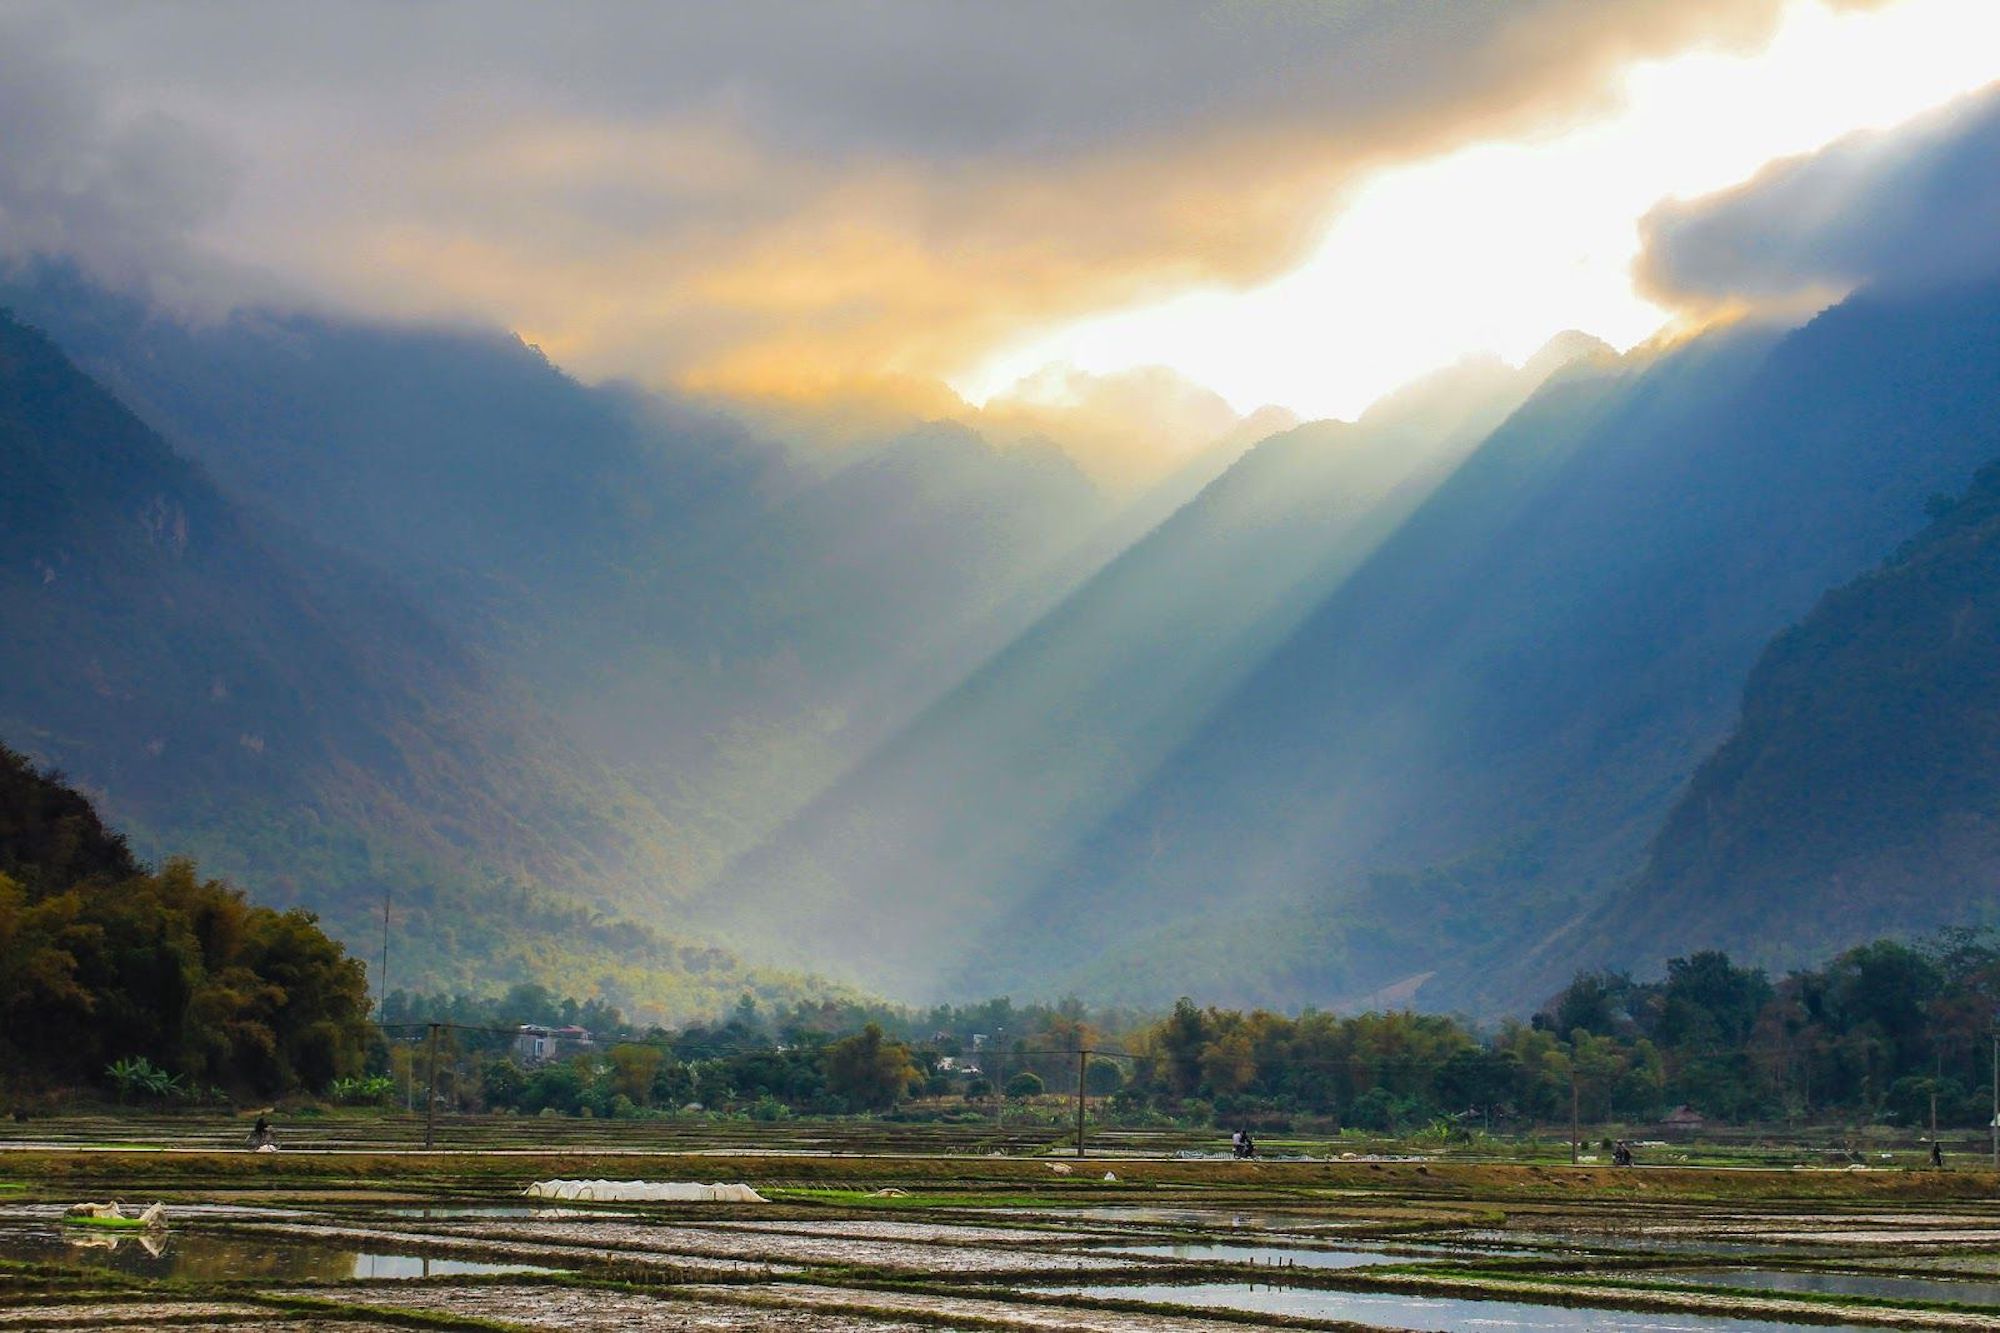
<point>1397,1310</point>
<point>1888,1286</point>
<point>194,1257</point>
<point>1264,1256</point>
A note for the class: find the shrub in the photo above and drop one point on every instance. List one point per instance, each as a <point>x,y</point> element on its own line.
<point>364,1091</point>
<point>1024,1085</point>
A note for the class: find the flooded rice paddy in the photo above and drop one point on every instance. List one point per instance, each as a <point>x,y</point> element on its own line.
<point>1391,1310</point>
<point>1884,1286</point>
<point>880,1244</point>
<point>184,1255</point>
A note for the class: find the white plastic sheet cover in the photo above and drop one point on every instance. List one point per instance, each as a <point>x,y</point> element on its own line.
<point>642,1191</point>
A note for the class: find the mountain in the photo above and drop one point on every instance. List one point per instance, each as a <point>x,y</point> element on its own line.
<point>1385,710</point>
<point>1472,740</point>
<point>50,835</point>
<point>916,851</point>
<point>1859,793</point>
<point>726,623</point>
<point>228,688</point>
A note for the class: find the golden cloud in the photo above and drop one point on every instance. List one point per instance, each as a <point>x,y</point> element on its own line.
<point>847,221</point>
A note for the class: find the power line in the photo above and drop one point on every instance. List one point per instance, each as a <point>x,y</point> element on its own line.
<point>426,1025</point>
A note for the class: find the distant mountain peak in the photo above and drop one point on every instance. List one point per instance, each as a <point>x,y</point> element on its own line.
<point>1568,348</point>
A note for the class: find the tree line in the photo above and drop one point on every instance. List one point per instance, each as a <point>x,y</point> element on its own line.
<point>1889,1032</point>
<point>162,984</point>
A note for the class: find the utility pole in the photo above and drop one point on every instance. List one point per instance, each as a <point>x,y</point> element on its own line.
<point>1935,1079</point>
<point>1080,1057</point>
<point>999,1092</point>
<point>385,953</point>
<point>431,1106</point>
<point>1575,1116</point>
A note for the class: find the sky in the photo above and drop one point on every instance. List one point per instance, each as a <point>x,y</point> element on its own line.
<point>1498,246</point>
<point>1123,224</point>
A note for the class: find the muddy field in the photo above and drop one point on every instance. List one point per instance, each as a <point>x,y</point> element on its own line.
<point>914,1237</point>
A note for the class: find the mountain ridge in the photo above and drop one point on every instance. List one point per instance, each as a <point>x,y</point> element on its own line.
<point>233,691</point>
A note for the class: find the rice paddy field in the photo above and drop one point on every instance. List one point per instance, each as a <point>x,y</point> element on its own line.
<point>872,1228</point>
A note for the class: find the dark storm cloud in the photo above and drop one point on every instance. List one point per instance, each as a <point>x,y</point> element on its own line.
<point>1919,203</point>
<point>881,76</point>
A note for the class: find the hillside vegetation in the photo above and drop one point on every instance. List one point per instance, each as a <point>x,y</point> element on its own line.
<point>1469,745</point>
<point>233,691</point>
<point>1860,791</point>
<point>105,964</point>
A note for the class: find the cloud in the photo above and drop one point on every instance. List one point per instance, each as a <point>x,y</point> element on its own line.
<point>767,197</point>
<point>1124,428</point>
<point>1918,203</point>
<point>119,195</point>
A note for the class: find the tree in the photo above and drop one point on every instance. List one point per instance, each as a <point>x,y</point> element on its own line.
<point>1180,1041</point>
<point>673,1084</point>
<point>1593,1002</point>
<point>1101,1078</point>
<point>869,1071</point>
<point>1710,1003</point>
<point>556,1087</point>
<point>101,961</point>
<point>502,1083</point>
<point>1475,1079</point>
<point>1229,1063</point>
<point>633,1068</point>
<point>1024,1085</point>
<point>1890,987</point>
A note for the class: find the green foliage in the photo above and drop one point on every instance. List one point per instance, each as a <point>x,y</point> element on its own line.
<point>371,1090</point>
<point>870,1071</point>
<point>50,836</point>
<point>1865,1034</point>
<point>137,1075</point>
<point>1025,1085</point>
<point>634,1068</point>
<point>1861,1036</point>
<point>556,1087</point>
<point>502,1083</point>
<point>124,975</point>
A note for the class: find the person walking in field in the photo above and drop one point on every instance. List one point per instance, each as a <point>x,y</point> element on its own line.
<point>1937,1155</point>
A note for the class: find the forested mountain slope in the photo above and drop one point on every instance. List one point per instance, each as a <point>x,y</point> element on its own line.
<point>233,690</point>
<point>727,622</point>
<point>1475,737</point>
<point>1859,793</point>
